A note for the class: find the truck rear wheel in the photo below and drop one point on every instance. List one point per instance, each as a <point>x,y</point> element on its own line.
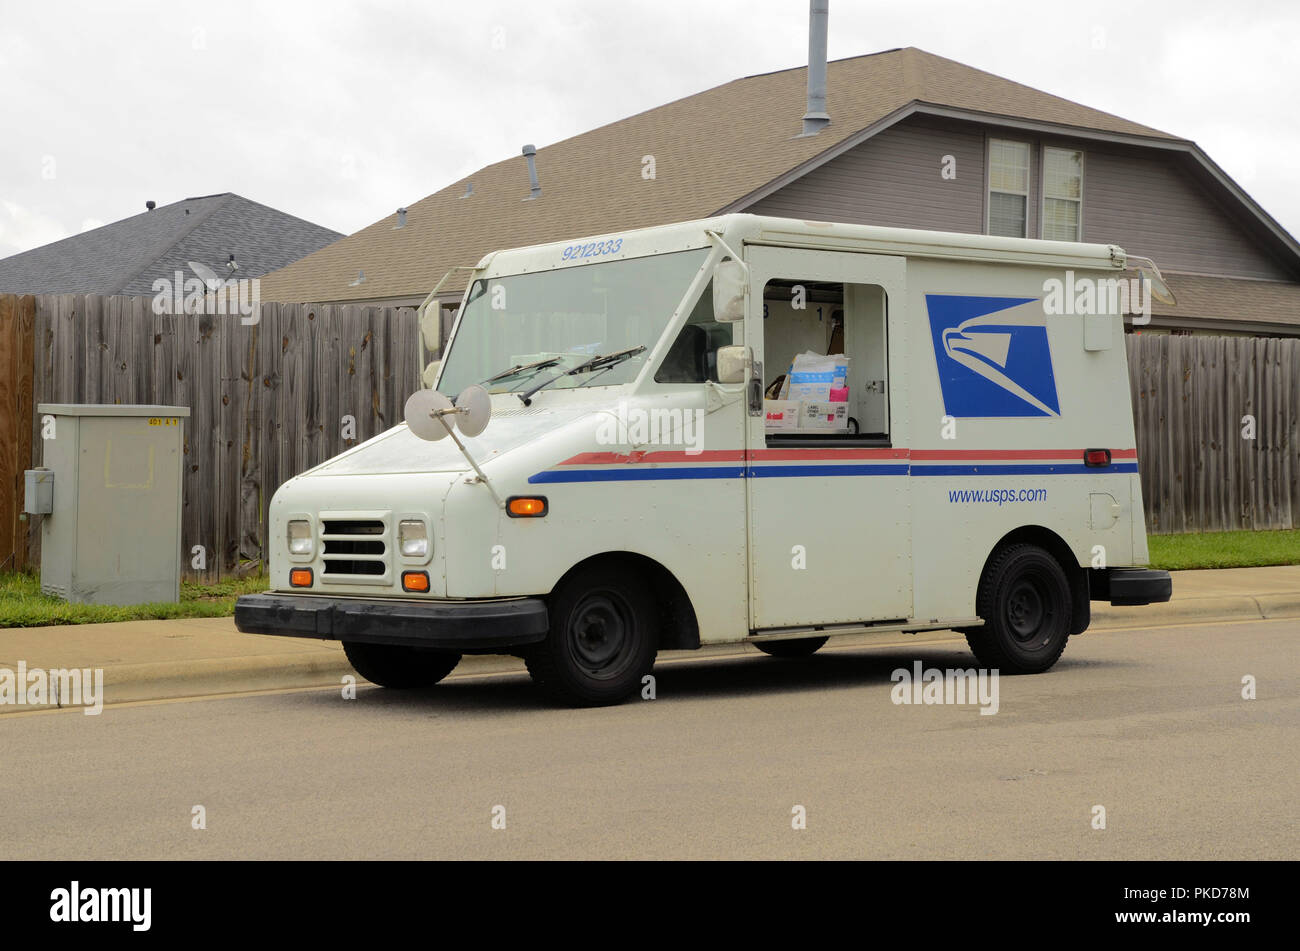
<point>1024,599</point>
<point>398,667</point>
<point>604,633</point>
<point>802,647</point>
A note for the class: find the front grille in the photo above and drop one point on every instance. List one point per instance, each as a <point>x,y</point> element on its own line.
<point>353,547</point>
<point>354,526</point>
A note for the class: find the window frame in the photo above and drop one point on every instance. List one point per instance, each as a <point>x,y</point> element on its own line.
<point>1043,196</point>
<point>705,297</point>
<point>811,439</point>
<point>988,182</point>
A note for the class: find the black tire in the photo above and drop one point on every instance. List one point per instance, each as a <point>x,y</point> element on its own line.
<point>401,668</point>
<point>604,633</point>
<point>803,647</point>
<point>1024,599</point>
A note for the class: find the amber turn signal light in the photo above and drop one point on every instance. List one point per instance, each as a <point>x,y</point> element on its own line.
<point>526,506</point>
<point>300,577</point>
<point>415,581</point>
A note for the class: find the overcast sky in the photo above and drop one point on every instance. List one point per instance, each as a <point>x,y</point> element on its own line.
<point>341,112</point>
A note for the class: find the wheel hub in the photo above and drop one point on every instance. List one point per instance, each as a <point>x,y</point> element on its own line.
<point>599,632</point>
<point>1025,610</point>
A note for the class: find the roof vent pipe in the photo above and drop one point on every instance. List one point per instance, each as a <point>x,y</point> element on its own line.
<point>535,190</point>
<point>401,218</point>
<point>150,205</point>
<point>816,118</point>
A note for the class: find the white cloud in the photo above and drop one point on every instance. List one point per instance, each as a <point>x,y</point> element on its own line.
<point>418,95</point>
<point>22,229</point>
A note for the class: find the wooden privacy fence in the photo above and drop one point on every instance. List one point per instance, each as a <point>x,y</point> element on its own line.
<point>267,399</point>
<point>17,339</point>
<point>270,399</point>
<point>1218,431</point>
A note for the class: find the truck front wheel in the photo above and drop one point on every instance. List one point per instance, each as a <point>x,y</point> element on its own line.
<point>1024,599</point>
<point>390,665</point>
<point>604,632</point>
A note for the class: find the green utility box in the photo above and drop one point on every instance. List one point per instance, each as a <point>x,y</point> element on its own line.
<point>113,532</point>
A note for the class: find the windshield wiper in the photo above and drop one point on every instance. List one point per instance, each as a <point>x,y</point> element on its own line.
<point>520,368</point>
<point>595,363</point>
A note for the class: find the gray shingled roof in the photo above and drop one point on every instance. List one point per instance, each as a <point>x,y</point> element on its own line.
<point>712,150</point>
<point>128,255</point>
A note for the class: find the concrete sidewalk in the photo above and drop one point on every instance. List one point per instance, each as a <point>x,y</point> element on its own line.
<point>158,660</point>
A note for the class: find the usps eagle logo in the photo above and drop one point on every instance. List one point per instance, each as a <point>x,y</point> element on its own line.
<point>993,356</point>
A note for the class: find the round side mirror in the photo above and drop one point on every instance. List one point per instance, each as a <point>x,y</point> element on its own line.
<point>429,415</point>
<point>475,406</point>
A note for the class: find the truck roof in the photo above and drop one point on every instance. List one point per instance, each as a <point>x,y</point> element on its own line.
<point>799,233</point>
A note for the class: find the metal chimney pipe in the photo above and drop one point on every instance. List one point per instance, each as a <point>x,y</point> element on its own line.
<point>817,118</point>
<point>535,190</point>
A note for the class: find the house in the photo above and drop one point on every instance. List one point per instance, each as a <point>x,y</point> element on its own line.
<point>914,140</point>
<point>126,257</point>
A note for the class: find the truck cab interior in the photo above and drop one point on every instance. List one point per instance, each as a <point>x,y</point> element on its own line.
<point>693,357</point>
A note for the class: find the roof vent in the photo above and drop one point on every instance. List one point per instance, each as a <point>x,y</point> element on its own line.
<point>150,205</point>
<point>361,279</point>
<point>469,190</point>
<point>535,190</point>
<point>816,118</point>
<point>401,219</point>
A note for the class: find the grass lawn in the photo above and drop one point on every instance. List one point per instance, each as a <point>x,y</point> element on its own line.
<point>1224,550</point>
<point>23,605</point>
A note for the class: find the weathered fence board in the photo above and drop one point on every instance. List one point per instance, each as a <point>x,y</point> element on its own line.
<point>272,398</point>
<point>17,317</point>
<point>1218,431</point>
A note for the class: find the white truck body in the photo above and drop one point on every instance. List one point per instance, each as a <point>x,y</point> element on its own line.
<point>974,409</point>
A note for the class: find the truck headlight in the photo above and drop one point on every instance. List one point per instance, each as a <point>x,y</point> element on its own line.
<point>300,540</point>
<point>413,539</point>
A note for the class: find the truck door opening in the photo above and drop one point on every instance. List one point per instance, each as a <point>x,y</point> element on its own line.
<point>811,401</point>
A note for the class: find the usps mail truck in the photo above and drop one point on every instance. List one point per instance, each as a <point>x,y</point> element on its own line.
<point>736,430</point>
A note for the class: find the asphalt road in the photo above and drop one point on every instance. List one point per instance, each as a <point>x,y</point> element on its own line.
<point>1148,723</point>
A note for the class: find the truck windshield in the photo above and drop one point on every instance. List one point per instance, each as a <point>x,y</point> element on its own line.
<point>561,318</point>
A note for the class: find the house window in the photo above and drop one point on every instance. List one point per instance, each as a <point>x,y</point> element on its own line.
<point>1062,194</point>
<point>1008,188</point>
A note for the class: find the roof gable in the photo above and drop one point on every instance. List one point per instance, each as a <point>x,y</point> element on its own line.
<point>710,150</point>
<point>126,256</point>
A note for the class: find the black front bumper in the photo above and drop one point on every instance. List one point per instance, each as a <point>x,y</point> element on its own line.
<point>1123,586</point>
<point>447,625</point>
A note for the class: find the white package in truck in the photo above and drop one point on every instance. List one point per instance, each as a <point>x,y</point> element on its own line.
<point>813,376</point>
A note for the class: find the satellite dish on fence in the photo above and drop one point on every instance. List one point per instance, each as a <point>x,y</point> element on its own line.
<point>206,275</point>
<point>429,415</point>
<point>476,409</point>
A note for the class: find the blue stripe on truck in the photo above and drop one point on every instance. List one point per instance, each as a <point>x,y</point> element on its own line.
<point>796,472</point>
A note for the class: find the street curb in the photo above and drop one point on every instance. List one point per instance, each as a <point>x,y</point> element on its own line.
<point>1279,605</point>
<point>172,680</point>
<point>165,681</point>
<point>1240,608</point>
